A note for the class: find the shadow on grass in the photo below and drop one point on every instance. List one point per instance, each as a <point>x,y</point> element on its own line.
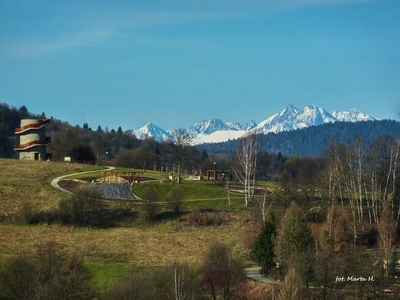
<point>100,218</point>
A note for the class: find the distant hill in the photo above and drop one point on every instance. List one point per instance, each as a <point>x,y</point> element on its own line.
<point>313,140</point>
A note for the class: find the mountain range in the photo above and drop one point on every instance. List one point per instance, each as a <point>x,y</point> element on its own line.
<point>289,118</point>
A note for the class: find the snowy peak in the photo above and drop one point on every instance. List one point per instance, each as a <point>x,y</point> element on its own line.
<point>312,115</point>
<point>207,127</point>
<point>152,130</point>
<point>214,125</point>
<point>289,118</point>
<point>352,115</point>
<point>292,118</point>
<point>288,111</point>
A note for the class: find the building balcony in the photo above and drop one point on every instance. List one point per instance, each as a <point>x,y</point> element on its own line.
<point>32,125</point>
<point>31,144</point>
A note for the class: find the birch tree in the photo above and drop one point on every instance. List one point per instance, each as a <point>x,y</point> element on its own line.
<point>387,235</point>
<point>245,169</point>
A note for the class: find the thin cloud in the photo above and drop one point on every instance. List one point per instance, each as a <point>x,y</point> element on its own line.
<point>103,25</point>
<point>46,46</point>
<point>116,23</point>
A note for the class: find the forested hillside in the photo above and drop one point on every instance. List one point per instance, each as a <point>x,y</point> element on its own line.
<point>122,148</point>
<point>312,141</point>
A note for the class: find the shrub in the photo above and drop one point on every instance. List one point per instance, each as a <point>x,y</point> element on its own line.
<point>199,218</point>
<point>134,287</point>
<point>240,252</point>
<point>17,278</point>
<point>151,205</point>
<point>50,274</point>
<point>221,273</point>
<point>85,208</point>
<point>28,212</point>
<point>175,200</point>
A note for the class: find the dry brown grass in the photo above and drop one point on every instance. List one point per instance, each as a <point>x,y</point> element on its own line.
<point>160,244</point>
<point>143,247</point>
<point>29,181</point>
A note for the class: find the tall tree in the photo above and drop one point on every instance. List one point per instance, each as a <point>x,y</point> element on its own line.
<point>263,248</point>
<point>178,148</point>
<point>295,242</point>
<point>387,235</point>
<point>245,169</point>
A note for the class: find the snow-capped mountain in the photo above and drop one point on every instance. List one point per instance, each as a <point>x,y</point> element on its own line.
<point>152,130</point>
<point>289,118</point>
<point>211,126</point>
<point>351,115</point>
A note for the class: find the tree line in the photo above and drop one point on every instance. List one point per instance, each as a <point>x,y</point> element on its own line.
<point>121,148</point>
<point>312,141</point>
<point>338,222</point>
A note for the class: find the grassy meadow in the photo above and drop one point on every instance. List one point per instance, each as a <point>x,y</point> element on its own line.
<point>110,253</point>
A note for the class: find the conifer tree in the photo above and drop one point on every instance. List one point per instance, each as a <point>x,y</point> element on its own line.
<point>295,243</point>
<point>263,248</point>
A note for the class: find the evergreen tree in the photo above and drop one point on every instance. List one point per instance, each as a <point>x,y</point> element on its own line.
<point>263,248</point>
<point>295,243</point>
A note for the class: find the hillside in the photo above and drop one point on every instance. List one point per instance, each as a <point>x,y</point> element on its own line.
<point>29,182</point>
<point>87,145</point>
<point>314,140</point>
<point>118,248</point>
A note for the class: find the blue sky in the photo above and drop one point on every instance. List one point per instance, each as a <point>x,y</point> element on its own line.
<point>174,63</point>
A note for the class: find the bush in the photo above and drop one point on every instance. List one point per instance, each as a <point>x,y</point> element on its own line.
<point>199,218</point>
<point>221,273</point>
<point>49,275</point>
<point>175,200</point>
<point>151,206</point>
<point>28,212</point>
<point>134,287</point>
<point>240,252</point>
<point>85,208</point>
<point>17,278</point>
<point>176,281</point>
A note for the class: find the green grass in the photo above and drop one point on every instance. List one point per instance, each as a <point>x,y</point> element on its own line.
<point>29,181</point>
<point>107,275</point>
<point>111,254</point>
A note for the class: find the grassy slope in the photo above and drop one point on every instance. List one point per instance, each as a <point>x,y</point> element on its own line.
<point>108,252</point>
<point>29,181</point>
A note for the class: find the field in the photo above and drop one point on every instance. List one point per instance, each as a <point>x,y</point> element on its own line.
<point>109,253</point>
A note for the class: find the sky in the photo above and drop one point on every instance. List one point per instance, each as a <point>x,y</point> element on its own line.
<point>178,62</point>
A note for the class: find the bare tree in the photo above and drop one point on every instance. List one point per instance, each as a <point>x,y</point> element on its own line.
<point>178,146</point>
<point>387,235</point>
<point>175,282</point>
<point>245,169</point>
<point>263,204</point>
<point>292,287</point>
<point>221,274</point>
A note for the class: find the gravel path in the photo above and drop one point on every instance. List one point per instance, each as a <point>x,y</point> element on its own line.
<point>254,273</point>
<point>54,182</point>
